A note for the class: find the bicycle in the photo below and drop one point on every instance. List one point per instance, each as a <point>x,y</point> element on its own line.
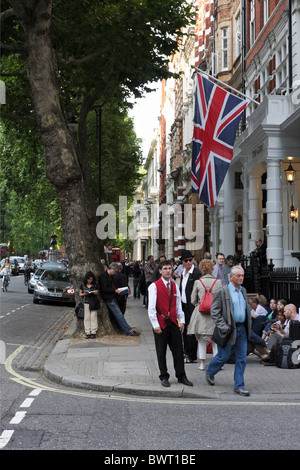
<point>5,281</point>
<point>27,276</point>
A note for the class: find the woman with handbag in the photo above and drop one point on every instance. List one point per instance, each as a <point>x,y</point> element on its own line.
<point>201,323</point>
<point>89,292</point>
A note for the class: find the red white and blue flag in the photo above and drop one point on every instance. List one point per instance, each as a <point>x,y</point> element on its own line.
<point>216,118</point>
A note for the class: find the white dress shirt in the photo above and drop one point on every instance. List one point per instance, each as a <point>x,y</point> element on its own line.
<point>152,312</point>
<point>185,276</point>
<point>260,310</point>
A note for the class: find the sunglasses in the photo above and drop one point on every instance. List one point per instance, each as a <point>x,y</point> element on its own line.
<point>188,259</point>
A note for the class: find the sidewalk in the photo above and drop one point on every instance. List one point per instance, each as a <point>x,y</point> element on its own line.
<point>132,368</point>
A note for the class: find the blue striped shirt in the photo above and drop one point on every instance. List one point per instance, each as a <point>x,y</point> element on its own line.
<point>238,303</point>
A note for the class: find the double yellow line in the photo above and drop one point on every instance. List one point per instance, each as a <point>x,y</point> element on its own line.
<point>33,384</point>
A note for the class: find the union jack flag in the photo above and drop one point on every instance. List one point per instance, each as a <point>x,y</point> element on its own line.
<point>217,115</point>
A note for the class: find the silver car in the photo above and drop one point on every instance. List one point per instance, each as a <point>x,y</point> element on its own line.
<point>54,285</point>
<point>37,274</point>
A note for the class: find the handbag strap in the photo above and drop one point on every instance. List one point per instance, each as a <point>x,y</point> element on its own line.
<point>205,287</point>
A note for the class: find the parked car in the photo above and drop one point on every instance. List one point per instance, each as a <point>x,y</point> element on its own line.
<point>37,274</point>
<point>54,285</point>
<point>20,261</point>
<point>14,266</point>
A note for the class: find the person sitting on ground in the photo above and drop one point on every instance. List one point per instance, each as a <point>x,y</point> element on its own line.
<point>278,325</point>
<point>281,303</point>
<point>290,313</point>
<point>257,308</point>
<point>271,317</point>
<point>264,303</point>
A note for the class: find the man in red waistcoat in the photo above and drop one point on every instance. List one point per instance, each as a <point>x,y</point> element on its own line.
<point>167,319</point>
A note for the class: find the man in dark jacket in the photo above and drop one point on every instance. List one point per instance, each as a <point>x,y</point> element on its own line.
<point>231,311</point>
<point>108,292</point>
<point>121,280</point>
<point>189,275</point>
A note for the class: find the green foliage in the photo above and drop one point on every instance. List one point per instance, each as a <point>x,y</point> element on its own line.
<point>30,205</point>
<point>102,52</point>
<point>121,154</point>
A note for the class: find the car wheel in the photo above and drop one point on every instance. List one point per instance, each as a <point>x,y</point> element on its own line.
<point>30,291</point>
<point>35,301</point>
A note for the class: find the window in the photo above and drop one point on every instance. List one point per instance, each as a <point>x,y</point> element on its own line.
<point>238,47</point>
<point>266,11</point>
<point>252,22</point>
<point>225,48</point>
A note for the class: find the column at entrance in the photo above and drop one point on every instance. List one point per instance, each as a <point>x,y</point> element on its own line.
<point>274,213</point>
<point>255,209</point>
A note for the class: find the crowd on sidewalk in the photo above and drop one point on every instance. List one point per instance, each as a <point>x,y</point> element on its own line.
<point>268,321</point>
<point>174,295</point>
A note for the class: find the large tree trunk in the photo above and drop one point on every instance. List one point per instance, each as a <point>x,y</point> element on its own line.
<point>69,176</point>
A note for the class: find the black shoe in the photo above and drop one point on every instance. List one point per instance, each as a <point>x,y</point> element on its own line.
<point>185,381</point>
<point>88,336</point>
<point>165,383</point>
<point>93,336</point>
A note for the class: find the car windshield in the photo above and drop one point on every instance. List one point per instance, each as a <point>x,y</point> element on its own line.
<point>55,276</point>
<point>39,272</point>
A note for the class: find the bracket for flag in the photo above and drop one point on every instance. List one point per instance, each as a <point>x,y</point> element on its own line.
<point>228,86</point>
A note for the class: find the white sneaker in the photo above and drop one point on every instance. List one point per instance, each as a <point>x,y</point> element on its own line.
<point>202,366</point>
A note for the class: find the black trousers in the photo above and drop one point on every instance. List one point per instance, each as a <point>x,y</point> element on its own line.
<point>170,336</point>
<point>190,343</point>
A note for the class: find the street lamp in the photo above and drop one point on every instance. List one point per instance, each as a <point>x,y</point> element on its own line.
<point>290,174</point>
<point>293,214</point>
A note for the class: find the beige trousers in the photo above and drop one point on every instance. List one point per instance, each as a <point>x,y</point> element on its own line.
<point>90,320</point>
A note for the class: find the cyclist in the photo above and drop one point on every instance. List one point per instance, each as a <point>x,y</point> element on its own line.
<point>28,268</point>
<point>6,271</point>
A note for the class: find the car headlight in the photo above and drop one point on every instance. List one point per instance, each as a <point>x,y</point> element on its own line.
<point>41,287</point>
<point>70,290</point>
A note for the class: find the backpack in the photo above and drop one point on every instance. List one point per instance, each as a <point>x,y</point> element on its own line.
<point>207,299</point>
<point>287,354</point>
<point>294,329</point>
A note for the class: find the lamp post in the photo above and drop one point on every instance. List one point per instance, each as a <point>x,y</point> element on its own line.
<point>52,251</point>
<point>290,176</point>
<point>98,111</point>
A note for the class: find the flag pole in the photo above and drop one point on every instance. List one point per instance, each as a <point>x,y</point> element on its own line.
<point>228,86</point>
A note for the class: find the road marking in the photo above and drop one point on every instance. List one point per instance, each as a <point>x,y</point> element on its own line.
<point>18,417</point>
<point>100,395</point>
<point>5,437</point>
<point>26,403</point>
<point>13,311</point>
<point>35,392</point>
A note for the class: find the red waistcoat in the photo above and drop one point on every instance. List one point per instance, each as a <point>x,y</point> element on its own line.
<point>163,302</point>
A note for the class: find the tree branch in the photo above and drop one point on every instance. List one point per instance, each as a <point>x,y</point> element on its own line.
<point>12,47</point>
<point>17,117</point>
<point>80,61</point>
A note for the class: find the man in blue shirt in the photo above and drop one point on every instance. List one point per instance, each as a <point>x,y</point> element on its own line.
<point>230,310</point>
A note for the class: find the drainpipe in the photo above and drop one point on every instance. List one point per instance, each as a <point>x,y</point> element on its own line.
<point>290,46</point>
<point>243,64</point>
